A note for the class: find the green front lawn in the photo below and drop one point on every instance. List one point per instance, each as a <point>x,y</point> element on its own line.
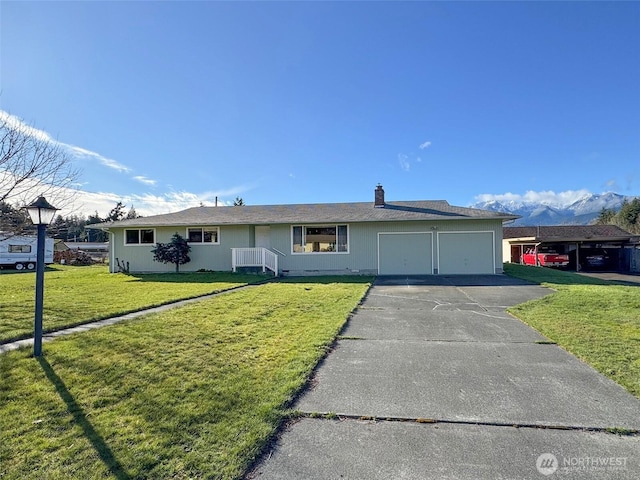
<point>75,295</point>
<point>194,392</point>
<point>597,321</point>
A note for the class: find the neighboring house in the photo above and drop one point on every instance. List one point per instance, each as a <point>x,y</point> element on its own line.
<point>386,238</point>
<point>614,248</point>
<point>98,251</point>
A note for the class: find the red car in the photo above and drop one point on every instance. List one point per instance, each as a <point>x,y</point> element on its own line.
<point>545,259</point>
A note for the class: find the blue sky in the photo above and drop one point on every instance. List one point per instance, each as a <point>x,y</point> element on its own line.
<point>164,105</point>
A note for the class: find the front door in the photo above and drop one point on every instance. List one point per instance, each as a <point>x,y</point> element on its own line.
<point>263,236</point>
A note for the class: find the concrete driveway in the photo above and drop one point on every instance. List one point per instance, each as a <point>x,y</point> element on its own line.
<point>433,379</point>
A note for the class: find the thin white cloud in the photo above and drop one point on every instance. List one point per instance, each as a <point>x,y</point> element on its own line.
<point>16,123</point>
<point>145,180</point>
<point>403,160</point>
<point>77,152</point>
<point>425,145</point>
<point>148,204</point>
<point>86,203</point>
<point>82,153</point>
<point>547,197</point>
<point>76,201</point>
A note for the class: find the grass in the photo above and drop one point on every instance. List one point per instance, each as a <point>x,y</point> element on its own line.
<point>193,392</point>
<point>76,295</point>
<point>598,321</point>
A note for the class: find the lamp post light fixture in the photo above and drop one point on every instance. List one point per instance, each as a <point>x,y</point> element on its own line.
<point>41,213</point>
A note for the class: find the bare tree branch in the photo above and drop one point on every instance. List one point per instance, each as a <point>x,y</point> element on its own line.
<point>32,164</point>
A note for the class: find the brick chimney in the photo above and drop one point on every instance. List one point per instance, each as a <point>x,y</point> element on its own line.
<point>379,197</point>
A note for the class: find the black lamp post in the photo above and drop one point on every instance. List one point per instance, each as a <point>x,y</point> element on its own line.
<point>41,213</point>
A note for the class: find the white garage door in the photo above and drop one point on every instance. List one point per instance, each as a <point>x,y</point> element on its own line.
<point>405,254</point>
<point>466,253</point>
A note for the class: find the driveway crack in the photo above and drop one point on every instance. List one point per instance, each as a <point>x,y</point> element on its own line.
<point>375,419</point>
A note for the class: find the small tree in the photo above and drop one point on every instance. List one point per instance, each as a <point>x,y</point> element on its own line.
<point>176,251</point>
<point>116,213</point>
<point>95,235</point>
<point>238,202</point>
<point>132,213</point>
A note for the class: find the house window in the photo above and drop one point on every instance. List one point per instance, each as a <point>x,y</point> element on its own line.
<point>140,236</point>
<point>19,248</point>
<point>203,235</point>
<point>320,239</point>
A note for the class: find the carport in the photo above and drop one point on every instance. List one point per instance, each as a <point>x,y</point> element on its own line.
<point>577,241</point>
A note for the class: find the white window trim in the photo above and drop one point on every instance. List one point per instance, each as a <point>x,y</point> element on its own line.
<point>304,226</point>
<point>124,240</point>
<point>208,227</point>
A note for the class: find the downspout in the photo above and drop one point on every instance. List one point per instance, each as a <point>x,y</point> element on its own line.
<point>112,252</point>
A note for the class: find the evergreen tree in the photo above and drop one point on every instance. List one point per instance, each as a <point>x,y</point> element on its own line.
<point>627,218</point>
<point>116,213</point>
<point>13,220</point>
<point>95,235</point>
<point>132,213</point>
<point>629,215</point>
<point>176,251</point>
<point>75,228</point>
<point>58,228</point>
<point>606,216</point>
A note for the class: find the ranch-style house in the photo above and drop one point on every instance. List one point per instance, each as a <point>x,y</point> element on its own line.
<point>429,237</point>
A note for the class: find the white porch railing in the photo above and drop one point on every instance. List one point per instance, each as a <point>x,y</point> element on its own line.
<point>254,257</point>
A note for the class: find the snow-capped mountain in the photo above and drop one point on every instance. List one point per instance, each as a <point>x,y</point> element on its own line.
<point>580,212</point>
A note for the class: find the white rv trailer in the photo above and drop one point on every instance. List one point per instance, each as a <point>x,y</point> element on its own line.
<point>21,252</point>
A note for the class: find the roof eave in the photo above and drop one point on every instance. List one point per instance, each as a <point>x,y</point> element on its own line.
<point>584,239</point>
<point>294,221</point>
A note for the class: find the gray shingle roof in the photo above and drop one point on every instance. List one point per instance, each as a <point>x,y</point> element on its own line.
<point>312,213</point>
<point>567,233</point>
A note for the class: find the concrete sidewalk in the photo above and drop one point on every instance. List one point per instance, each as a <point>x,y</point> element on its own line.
<point>433,379</point>
<point>28,342</point>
